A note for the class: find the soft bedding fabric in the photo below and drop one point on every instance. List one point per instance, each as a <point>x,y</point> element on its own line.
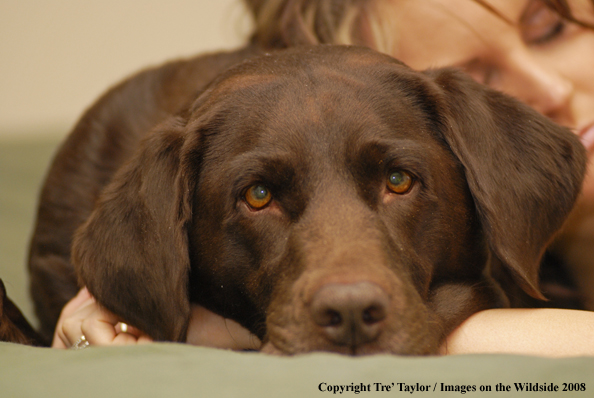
<point>173,370</point>
<point>23,162</point>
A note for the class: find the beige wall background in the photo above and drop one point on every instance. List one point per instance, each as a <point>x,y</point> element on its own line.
<point>57,56</point>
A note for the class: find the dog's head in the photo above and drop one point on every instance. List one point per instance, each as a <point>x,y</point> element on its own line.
<point>330,198</point>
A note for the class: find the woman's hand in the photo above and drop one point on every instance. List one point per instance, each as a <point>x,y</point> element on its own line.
<point>82,316</point>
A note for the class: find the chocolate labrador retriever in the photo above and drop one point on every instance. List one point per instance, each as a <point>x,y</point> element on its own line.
<point>327,198</point>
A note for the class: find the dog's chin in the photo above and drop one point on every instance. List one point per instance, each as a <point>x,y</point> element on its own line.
<point>376,348</point>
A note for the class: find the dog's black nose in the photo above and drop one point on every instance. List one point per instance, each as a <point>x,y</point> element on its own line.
<point>350,314</point>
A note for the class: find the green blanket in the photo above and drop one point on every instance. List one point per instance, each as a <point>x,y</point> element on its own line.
<point>175,370</point>
<point>172,370</point>
<point>23,163</point>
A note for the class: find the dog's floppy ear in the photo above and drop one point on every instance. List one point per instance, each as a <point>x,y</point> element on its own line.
<point>132,253</point>
<point>524,171</point>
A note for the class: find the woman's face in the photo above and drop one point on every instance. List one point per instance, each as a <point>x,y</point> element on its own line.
<point>527,51</point>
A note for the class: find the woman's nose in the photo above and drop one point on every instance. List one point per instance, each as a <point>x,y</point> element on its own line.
<point>543,88</point>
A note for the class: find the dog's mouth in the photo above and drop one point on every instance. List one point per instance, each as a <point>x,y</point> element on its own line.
<point>355,342</point>
<point>359,318</point>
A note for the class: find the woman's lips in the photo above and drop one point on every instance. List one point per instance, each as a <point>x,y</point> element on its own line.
<point>586,135</point>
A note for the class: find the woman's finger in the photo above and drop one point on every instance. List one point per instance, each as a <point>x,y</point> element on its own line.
<point>122,327</point>
<point>99,327</point>
<point>68,329</point>
<point>102,328</point>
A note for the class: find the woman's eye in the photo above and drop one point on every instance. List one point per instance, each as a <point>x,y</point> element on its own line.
<point>540,24</point>
<point>399,182</point>
<point>258,196</point>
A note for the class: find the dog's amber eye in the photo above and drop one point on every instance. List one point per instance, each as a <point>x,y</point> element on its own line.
<point>258,196</point>
<point>399,182</point>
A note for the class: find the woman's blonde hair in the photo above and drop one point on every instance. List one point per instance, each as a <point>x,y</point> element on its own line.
<point>286,23</point>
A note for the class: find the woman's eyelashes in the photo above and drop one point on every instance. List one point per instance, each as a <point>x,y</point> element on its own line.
<point>540,25</point>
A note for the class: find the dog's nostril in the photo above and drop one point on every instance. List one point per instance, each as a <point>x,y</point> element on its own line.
<point>327,318</point>
<point>350,314</point>
<point>334,318</point>
<point>373,314</point>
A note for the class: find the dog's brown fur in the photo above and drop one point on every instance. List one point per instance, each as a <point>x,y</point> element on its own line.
<point>336,261</point>
<point>13,325</point>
